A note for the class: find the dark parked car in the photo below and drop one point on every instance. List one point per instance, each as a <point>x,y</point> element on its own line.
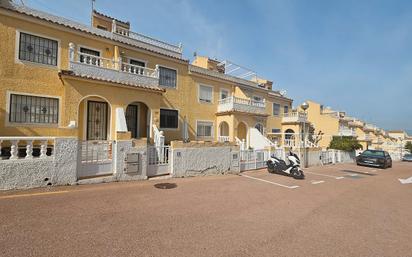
<point>375,158</point>
<point>407,158</point>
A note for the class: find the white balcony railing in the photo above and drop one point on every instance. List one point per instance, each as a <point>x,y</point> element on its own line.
<point>355,123</point>
<point>365,138</point>
<point>111,69</point>
<point>237,104</point>
<point>369,127</point>
<point>146,39</point>
<point>294,117</point>
<point>347,132</point>
<point>26,147</point>
<point>223,139</point>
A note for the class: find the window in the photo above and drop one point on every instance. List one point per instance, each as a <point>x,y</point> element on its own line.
<point>275,130</point>
<point>134,69</point>
<point>285,109</point>
<point>33,109</point>
<point>224,93</point>
<point>137,63</point>
<point>37,49</point>
<point>101,27</point>
<point>169,119</point>
<point>276,109</point>
<point>167,77</point>
<point>86,56</point>
<point>257,98</point>
<point>205,94</point>
<point>204,129</point>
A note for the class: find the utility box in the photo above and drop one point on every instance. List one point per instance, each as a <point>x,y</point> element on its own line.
<point>133,161</point>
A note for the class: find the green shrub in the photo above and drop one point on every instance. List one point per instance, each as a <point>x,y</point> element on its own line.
<point>345,143</point>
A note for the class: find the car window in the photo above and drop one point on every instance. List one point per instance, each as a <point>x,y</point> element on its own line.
<point>373,153</point>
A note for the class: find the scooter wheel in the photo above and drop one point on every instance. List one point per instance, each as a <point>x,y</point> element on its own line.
<point>297,174</point>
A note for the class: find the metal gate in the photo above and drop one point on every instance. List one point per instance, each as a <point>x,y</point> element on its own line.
<point>95,158</point>
<point>253,159</point>
<point>327,157</point>
<point>158,160</point>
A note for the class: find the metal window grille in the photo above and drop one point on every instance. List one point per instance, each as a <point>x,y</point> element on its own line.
<point>168,118</point>
<point>167,77</point>
<point>33,109</point>
<point>97,117</point>
<point>38,49</point>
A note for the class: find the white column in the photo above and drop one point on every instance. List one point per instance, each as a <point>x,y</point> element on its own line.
<point>113,26</point>
<point>71,52</point>
<point>13,150</point>
<point>29,149</point>
<point>43,149</point>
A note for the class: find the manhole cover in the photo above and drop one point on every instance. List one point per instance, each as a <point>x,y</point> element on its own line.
<point>165,185</point>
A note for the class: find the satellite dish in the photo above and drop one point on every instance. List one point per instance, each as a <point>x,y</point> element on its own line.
<point>283,92</point>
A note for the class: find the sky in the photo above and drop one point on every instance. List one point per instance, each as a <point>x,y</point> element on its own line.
<point>354,56</point>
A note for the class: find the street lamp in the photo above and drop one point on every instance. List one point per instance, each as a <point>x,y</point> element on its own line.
<point>304,107</point>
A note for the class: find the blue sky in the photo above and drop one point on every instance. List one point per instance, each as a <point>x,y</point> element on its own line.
<point>355,56</point>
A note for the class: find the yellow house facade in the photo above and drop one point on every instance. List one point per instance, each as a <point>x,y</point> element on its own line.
<point>328,123</point>
<point>106,82</point>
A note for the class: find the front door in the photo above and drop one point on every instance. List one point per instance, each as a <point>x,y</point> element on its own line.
<point>132,111</point>
<point>97,120</point>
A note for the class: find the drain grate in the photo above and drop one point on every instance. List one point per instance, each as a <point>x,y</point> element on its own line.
<point>165,185</point>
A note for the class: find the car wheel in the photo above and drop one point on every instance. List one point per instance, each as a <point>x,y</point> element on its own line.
<point>390,165</point>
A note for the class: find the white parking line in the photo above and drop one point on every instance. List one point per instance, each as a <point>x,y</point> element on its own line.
<point>317,182</point>
<point>270,182</point>
<point>330,176</point>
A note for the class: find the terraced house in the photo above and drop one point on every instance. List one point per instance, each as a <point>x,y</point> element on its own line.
<point>328,123</point>
<point>105,83</point>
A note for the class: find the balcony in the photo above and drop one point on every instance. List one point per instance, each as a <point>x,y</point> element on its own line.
<point>96,67</point>
<point>369,128</point>
<point>355,123</point>
<point>347,132</point>
<point>365,138</point>
<point>377,141</point>
<point>294,117</point>
<point>236,104</point>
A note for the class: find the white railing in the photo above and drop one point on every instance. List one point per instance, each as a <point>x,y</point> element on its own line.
<point>223,139</point>
<point>355,123</point>
<point>290,143</point>
<point>159,138</point>
<point>117,65</point>
<point>139,70</point>
<point>158,155</point>
<point>347,132</point>
<point>97,61</point>
<point>145,39</point>
<point>96,151</point>
<point>12,148</point>
<point>365,138</point>
<point>294,116</point>
<point>111,69</point>
<point>233,103</point>
<point>369,127</point>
